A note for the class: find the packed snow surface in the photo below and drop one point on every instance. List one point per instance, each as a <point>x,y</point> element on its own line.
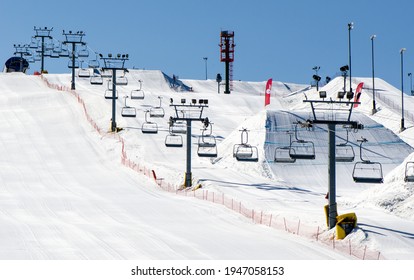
<point>64,193</point>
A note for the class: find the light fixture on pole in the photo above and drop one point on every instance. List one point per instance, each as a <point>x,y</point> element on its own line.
<point>402,88</point>
<point>374,108</point>
<point>350,27</point>
<point>205,62</point>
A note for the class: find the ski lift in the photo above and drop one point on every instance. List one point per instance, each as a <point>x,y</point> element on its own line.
<point>34,43</point>
<point>207,146</point>
<point>245,151</point>
<point>64,53</point>
<point>108,94</point>
<point>138,93</point>
<point>121,80</point>
<point>172,139</point>
<point>149,127</point>
<point>282,154</point>
<point>83,52</point>
<point>179,127</point>
<point>157,112</point>
<point>127,111</point>
<point>345,152</point>
<point>366,171</point>
<point>76,65</point>
<point>96,79</point>
<point>301,149</point>
<point>409,171</point>
<point>83,72</point>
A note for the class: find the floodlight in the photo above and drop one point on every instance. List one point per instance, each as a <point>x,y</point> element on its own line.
<point>109,55</point>
<point>118,55</point>
<point>322,94</point>
<point>344,68</point>
<point>100,55</point>
<point>127,55</point>
<point>205,101</point>
<point>182,100</point>
<point>316,78</point>
<point>403,50</point>
<point>341,94</point>
<point>171,101</point>
<point>349,95</point>
<point>194,101</point>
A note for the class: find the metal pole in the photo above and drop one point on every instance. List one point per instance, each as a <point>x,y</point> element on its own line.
<point>188,176</point>
<point>43,58</point>
<point>113,121</point>
<point>73,66</point>
<point>402,89</point>
<point>227,64</point>
<point>205,60</point>
<point>350,26</point>
<point>333,213</point>
<point>374,108</point>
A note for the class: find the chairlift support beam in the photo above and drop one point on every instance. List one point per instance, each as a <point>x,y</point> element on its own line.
<point>73,39</point>
<point>203,103</point>
<point>114,64</point>
<point>332,210</point>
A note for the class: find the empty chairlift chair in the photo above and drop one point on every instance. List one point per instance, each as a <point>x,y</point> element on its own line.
<point>282,154</point>
<point>122,80</point>
<point>138,93</point>
<point>158,111</point>
<point>207,146</point>
<point>127,111</point>
<point>344,151</point>
<point>245,151</point>
<point>149,127</point>
<point>409,171</point>
<point>366,171</point>
<point>301,149</point>
<point>172,139</point>
<point>96,78</point>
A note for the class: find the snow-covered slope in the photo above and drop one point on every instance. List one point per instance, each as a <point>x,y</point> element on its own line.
<point>292,191</point>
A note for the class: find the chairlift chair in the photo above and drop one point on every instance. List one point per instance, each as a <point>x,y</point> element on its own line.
<point>301,149</point>
<point>179,127</point>
<point>121,80</point>
<point>96,79</point>
<point>282,155</point>
<point>344,152</point>
<point>71,66</point>
<point>366,171</point>
<point>207,146</point>
<point>245,151</point>
<point>149,127</point>
<point>106,74</point>
<point>157,112</point>
<point>84,73</point>
<point>409,171</point>
<point>127,111</point>
<point>174,140</point>
<point>83,52</point>
<point>137,94</point>
<point>108,94</point>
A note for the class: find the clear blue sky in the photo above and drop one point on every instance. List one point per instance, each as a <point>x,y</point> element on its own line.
<point>275,39</point>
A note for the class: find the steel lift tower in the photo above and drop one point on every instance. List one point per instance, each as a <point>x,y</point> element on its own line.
<point>73,39</point>
<point>189,112</point>
<point>43,33</point>
<point>114,63</point>
<point>227,56</point>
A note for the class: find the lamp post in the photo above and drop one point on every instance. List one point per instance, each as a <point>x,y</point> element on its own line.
<point>205,62</point>
<point>374,108</point>
<point>350,27</point>
<point>411,83</point>
<point>402,88</point>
